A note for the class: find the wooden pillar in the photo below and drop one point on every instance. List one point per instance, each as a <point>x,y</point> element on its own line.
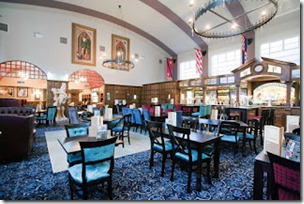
<point>297,93</point>
<point>288,92</point>
<point>238,92</point>
<point>204,95</point>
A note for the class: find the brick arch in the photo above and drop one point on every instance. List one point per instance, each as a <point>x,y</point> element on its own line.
<point>86,75</point>
<point>18,68</point>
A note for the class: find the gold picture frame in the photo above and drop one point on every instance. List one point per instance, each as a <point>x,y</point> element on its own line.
<point>120,45</point>
<point>83,45</point>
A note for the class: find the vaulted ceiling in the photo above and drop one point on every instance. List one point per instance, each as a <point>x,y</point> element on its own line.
<point>164,22</point>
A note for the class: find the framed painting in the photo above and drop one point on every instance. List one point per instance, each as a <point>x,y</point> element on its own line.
<point>120,48</point>
<point>83,45</point>
<point>7,91</point>
<point>22,92</point>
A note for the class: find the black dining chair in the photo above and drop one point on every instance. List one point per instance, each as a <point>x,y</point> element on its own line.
<point>251,133</point>
<point>185,154</point>
<point>96,167</point>
<point>229,131</point>
<point>122,128</point>
<point>209,126</point>
<point>159,144</point>
<point>286,178</point>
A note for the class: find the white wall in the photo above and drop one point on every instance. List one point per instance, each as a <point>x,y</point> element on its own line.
<point>279,28</point>
<point>54,57</point>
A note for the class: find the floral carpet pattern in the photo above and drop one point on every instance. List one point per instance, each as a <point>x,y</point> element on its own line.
<point>32,178</point>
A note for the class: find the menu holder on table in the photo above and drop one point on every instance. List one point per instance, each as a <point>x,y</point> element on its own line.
<point>214,114</point>
<point>273,139</point>
<point>292,122</point>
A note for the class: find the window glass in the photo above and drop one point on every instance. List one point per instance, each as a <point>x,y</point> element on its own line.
<point>187,70</point>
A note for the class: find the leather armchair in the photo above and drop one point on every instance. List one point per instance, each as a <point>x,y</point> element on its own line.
<point>16,138</point>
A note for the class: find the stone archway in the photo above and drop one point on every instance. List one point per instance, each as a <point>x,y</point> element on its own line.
<point>84,82</point>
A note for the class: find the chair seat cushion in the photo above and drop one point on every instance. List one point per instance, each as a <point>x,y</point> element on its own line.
<point>159,148</point>
<point>117,129</point>
<point>195,114</point>
<point>208,149</point>
<point>76,157</point>
<point>42,117</point>
<point>231,139</point>
<point>194,154</point>
<point>93,172</point>
<point>248,135</point>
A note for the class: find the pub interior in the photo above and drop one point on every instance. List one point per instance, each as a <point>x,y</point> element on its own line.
<point>197,111</point>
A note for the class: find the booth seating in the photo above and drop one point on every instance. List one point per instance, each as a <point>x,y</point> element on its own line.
<point>16,133</point>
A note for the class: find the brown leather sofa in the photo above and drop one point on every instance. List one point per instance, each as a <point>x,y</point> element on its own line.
<point>16,133</point>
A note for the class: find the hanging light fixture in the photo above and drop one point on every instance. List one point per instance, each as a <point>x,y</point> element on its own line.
<point>120,61</point>
<point>258,13</point>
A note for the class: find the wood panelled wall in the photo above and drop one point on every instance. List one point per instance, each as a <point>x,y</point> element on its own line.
<point>121,92</point>
<point>143,93</point>
<point>161,91</point>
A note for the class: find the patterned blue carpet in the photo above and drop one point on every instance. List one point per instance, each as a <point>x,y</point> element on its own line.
<point>32,179</point>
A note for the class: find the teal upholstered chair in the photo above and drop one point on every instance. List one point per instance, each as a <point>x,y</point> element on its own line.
<point>251,133</point>
<point>49,117</point>
<point>164,107</point>
<point>139,121</point>
<point>201,113</point>
<point>230,131</point>
<point>208,111</point>
<point>158,143</point>
<point>96,167</point>
<point>170,106</point>
<point>75,130</point>
<point>185,154</point>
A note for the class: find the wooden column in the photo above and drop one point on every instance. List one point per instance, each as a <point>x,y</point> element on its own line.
<point>238,92</point>
<point>288,92</point>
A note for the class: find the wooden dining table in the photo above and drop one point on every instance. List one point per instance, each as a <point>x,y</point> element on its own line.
<point>243,128</point>
<point>198,140</point>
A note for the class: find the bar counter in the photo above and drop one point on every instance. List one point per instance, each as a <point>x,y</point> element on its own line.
<point>280,112</point>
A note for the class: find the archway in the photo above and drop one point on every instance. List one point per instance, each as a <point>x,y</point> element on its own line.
<point>86,87</point>
<point>24,81</point>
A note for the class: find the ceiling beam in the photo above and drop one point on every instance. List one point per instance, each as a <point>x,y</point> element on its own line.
<point>179,22</point>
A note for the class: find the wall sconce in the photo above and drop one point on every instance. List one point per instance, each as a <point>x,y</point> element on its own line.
<point>134,96</point>
<point>108,96</point>
<point>169,96</point>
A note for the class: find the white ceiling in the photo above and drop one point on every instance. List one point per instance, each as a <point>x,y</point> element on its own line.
<point>154,21</point>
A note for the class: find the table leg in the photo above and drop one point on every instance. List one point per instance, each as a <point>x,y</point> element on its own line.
<point>216,158</point>
<point>244,142</point>
<point>258,182</point>
<point>199,169</point>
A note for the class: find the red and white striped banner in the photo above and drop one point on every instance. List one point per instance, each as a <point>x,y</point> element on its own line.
<point>199,61</point>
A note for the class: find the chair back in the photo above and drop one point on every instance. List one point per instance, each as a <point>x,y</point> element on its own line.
<point>76,130</point>
<point>97,152</point>
<point>124,110</point>
<point>208,125</point>
<point>138,117</point>
<point>208,110</point>
<point>229,128</point>
<point>155,133</point>
<point>264,116</point>
<point>180,138</point>
<point>73,115</point>
<point>296,131</point>
<point>179,118</point>
<point>202,111</point>
<point>146,114</point>
<point>51,113</point>
<point>127,122</point>
<point>177,107</point>
<point>164,107</point>
<point>286,178</point>
<point>253,127</point>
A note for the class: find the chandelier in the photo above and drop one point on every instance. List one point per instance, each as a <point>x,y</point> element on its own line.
<point>120,60</point>
<point>255,14</point>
